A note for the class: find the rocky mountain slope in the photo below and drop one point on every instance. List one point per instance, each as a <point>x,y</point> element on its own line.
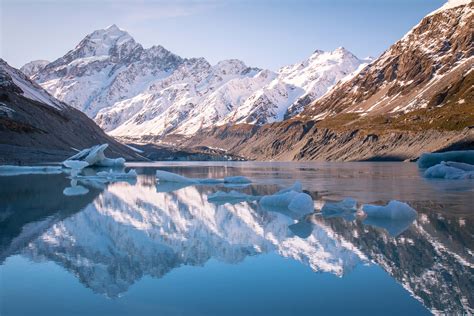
<point>33,67</point>
<point>36,127</point>
<point>136,92</point>
<point>416,97</point>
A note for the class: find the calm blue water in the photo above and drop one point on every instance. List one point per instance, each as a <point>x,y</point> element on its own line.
<point>145,249</point>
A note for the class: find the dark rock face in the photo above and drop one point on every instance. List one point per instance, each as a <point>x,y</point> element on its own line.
<point>409,73</point>
<point>32,131</point>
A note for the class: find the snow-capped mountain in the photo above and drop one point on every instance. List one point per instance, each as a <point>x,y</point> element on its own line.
<point>414,73</point>
<point>135,92</point>
<point>31,68</point>
<point>35,126</point>
<point>296,86</point>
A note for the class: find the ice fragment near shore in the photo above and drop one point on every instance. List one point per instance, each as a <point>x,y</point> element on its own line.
<point>95,156</point>
<point>430,159</point>
<point>289,198</point>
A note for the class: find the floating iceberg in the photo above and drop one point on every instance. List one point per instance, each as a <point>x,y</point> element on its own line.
<point>75,190</point>
<point>231,197</point>
<point>450,170</point>
<point>95,156</point>
<point>394,210</point>
<point>109,176</point>
<point>301,202</point>
<point>345,208</point>
<point>165,176</point>
<point>8,170</point>
<point>430,159</point>
<point>287,198</point>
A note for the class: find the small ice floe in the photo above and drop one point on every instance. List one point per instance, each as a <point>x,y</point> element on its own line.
<point>9,170</point>
<point>95,156</point>
<point>109,176</point>
<point>232,197</point>
<point>290,199</point>
<point>427,160</point>
<point>393,210</point>
<point>165,176</point>
<point>345,209</point>
<point>450,170</point>
<point>395,217</point>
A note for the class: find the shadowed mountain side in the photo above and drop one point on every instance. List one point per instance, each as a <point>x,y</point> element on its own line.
<point>35,127</point>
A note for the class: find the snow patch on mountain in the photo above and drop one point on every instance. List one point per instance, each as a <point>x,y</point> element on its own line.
<point>31,68</point>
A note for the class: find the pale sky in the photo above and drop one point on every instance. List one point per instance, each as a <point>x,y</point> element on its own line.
<point>262,33</point>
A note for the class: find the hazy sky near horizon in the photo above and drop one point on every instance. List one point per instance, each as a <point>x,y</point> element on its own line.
<point>262,33</point>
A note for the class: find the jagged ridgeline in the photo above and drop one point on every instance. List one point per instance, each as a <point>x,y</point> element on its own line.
<point>136,92</point>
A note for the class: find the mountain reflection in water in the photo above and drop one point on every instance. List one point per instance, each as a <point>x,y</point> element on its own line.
<point>112,236</point>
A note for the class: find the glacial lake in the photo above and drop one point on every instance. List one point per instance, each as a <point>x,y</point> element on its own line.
<point>141,248</point>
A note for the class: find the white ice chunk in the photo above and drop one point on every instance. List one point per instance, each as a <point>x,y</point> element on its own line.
<point>445,171</point>
<point>95,156</point>
<point>75,190</point>
<point>231,197</point>
<point>109,176</point>
<point>395,210</point>
<point>279,199</point>
<point>430,159</point>
<point>9,170</point>
<point>165,176</point>
<point>113,175</point>
<point>301,203</point>
<point>346,206</point>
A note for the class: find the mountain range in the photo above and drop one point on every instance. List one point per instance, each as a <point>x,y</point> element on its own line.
<point>135,92</point>
<point>416,97</point>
